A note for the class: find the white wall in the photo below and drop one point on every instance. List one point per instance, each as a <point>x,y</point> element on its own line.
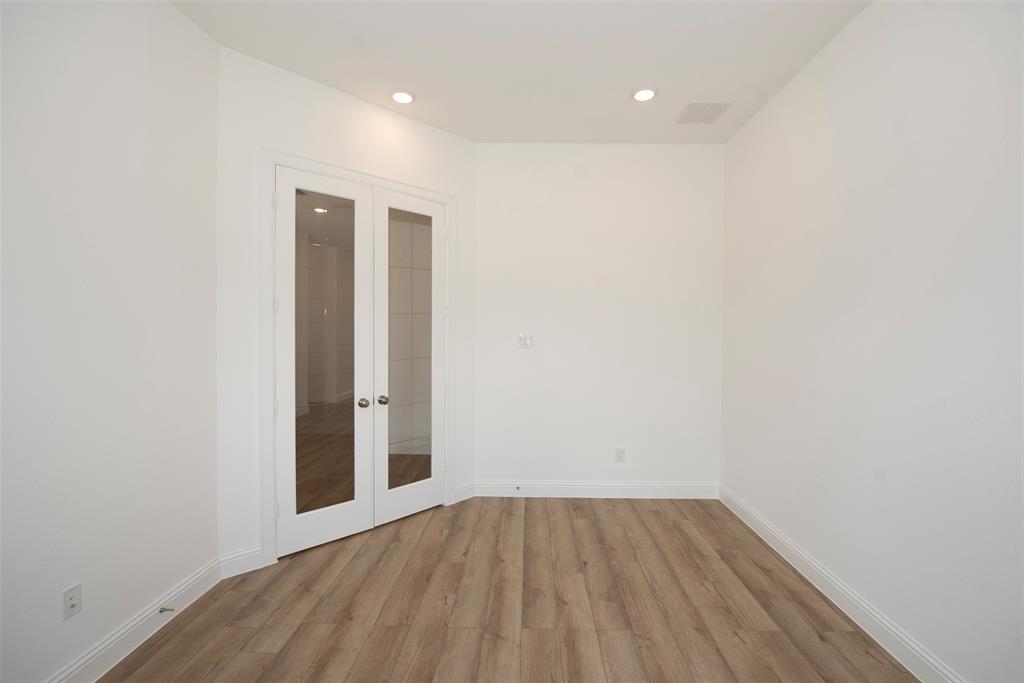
<point>610,255</point>
<point>872,363</point>
<point>263,107</point>
<point>109,353</point>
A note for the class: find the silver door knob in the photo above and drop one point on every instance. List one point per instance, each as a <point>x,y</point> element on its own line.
<point>364,403</point>
<point>383,400</point>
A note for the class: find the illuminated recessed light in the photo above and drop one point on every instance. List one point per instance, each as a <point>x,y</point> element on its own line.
<point>319,210</point>
<point>644,95</point>
<point>403,97</point>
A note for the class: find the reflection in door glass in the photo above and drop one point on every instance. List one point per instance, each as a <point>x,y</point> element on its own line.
<point>324,296</point>
<point>409,368</point>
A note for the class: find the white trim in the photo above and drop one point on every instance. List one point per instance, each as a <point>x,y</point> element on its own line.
<point>242,561</point>
<point>596,489</point>
<point>107,653</point>
<point>461,493</point>
<point>102,657</point>
<point>912,654</point>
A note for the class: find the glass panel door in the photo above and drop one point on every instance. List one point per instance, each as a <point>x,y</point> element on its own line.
<point>408,458</point>
<point>323,264</point>
<point>409,327</point>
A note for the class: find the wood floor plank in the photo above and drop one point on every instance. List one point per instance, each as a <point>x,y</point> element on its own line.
<point>605,598</point>
<point>540,660</point>
<point>538,569</point>
<point>155,643</point>
<point>870,660</point>
<point>214,655</point>
<point>709,529</point>
<point>784,659</point>
<point>243,667</point>
<point>460,656</point>
<point>737,646</point>
<point>281,588</point>
<point>660,653</point>
<point>421,653</point>
<point>175,653</point>
<point>499,650</point>
<point>404,601</point>
<point>377,658</point>
<point>473,595</point>
<point>564,556</point>
<point>697,584</point>
<point>513,589</point>
<point>684,621</point>
<point>621,657</point>
<point>291,663</point>
<point>336,604</point>
<point>579,649</point>
<point>801,629</point>
<point>616,543</point>
<point>462,531</point>
<point>335,661</point>
<point>270,638</point>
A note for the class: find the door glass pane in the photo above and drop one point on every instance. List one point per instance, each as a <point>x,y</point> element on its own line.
<point>409,367</point>
<point>324,347</point>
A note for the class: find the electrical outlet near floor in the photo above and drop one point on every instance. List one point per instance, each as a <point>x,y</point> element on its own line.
<point>72,601</point>
<point>620,455</point>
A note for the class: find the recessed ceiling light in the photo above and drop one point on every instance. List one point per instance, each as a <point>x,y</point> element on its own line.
<point>403,97</point>
<point>644,95</point>
<point>319,210</point>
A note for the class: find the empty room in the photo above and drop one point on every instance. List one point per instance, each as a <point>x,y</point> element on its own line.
<point>573,341</point>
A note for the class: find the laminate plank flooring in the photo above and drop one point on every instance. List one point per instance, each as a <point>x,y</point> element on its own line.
<point>514,589</point>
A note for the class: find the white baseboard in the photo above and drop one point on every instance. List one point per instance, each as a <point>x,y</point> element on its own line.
<point>596,489</point>
<point>912,654</point>
<point>99,659</point>
<point>461,493</point>
<point>241,561</point>
<point>102,657</point>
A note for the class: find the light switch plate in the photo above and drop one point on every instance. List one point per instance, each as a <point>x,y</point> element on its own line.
<point>525,340</point>
<point>72,601</point>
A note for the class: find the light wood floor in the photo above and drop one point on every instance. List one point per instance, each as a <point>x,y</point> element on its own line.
<point>512,589</point>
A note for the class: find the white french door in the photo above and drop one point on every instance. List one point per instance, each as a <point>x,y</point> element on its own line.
<point>409,297</point>
<point>359,284</point>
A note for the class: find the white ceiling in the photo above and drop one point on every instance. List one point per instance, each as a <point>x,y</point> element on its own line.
<point>540,71</point>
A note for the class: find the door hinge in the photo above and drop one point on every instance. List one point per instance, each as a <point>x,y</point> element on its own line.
<point>276,406</point>
<point>277,305</point>
<point>277,509</point>
<point>273,199</point>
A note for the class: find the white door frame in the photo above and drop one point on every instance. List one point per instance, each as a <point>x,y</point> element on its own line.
<point>266,255</point>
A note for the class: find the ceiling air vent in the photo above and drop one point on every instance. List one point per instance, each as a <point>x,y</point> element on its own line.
<point>703,112</point>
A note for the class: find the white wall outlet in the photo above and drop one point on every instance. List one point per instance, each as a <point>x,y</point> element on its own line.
<point>620,455</point>
<point>72,601</point>
<point>525,340</point>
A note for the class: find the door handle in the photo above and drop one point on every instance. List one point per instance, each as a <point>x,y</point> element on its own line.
<point>364,403</point>
<point>383,400</point>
